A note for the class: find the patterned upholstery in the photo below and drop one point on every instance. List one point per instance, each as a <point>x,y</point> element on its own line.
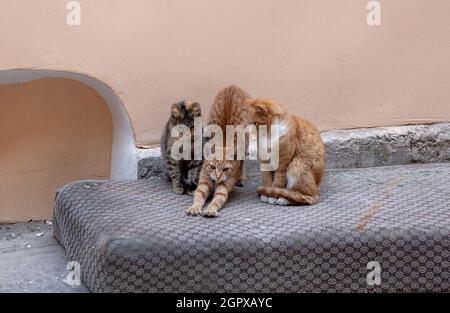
<point>134,236</point>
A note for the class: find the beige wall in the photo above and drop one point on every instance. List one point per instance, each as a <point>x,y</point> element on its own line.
<point>52,132</point>
<point>319,57</point>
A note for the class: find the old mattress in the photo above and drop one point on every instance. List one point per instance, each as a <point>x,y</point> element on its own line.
<point>134,236</point>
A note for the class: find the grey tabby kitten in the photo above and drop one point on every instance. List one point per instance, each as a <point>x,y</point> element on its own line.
<point>183,173</point>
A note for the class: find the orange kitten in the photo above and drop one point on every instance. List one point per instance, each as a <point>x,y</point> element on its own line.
<point>222,175</point>
<point>301,156</point>
<point>218,177</point>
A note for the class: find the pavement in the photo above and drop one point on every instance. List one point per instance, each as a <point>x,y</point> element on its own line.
<point>31,260</point>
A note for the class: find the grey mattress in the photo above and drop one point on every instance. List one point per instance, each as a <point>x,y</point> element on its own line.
<point>134,236</point>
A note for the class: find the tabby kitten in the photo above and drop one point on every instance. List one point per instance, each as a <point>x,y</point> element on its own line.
<point>301,156</point>
<point>222,175</point>
<point>184,174</point>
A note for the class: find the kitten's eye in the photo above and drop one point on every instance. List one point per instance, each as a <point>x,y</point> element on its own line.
<point>212,167</point>
<point>226,169</point>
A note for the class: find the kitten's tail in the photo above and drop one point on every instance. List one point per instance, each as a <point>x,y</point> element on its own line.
<point>291,195</point>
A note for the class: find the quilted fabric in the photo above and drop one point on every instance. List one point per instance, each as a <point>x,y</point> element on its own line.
<point>134,236</point>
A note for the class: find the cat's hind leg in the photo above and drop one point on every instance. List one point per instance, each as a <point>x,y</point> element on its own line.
<point>270,200</point>
<point>284,196</point>
<point>301,186</point>
<point>300,178</point>
<point>283,201</point>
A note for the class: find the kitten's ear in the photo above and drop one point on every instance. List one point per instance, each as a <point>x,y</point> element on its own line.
<point>250,102</point>
<point>259,106</point>
<point>176,111</point>
<point>196,109</point>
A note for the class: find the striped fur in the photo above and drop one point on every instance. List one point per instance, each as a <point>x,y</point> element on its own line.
<point>291,196</point>
<point>220,176</point>
<point>217,177</point>
<point>184,174</point>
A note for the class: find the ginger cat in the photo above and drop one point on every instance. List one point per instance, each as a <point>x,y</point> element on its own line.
<point>301,158</point>
<point>218,177</point>
<point>222,175</point>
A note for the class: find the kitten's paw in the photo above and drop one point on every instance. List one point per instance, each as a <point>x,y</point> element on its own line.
<point>211,213</point>
<point>264,198</point>
<point>191,192</point>
<point>283,201</point>
<point>259,189</point>
<point>178,189</point>
<point>194,210</point>
<point>272,200</point>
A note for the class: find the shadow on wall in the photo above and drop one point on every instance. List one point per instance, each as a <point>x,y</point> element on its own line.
<point>54,131</point>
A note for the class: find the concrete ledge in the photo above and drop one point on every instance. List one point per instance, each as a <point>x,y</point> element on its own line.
<point>369,147</point>
<point>149,162</point>
<point>388,146</point>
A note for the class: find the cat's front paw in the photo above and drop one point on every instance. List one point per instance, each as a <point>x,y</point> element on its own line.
<point>264,198</point>
<point>194,210</point>
<point>211,213</point>
<point>178,189</point>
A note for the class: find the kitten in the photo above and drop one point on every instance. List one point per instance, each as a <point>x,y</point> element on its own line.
<point>222,175</point>
<point>184,174</point>
<point>301,156</point>
<point>218,177</point>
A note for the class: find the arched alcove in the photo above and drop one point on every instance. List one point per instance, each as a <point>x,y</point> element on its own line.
<point>57,127</point>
